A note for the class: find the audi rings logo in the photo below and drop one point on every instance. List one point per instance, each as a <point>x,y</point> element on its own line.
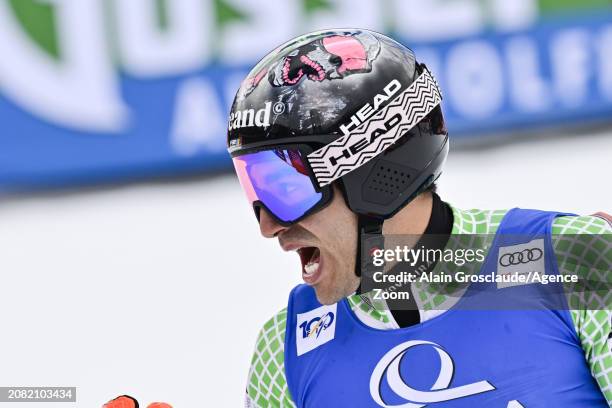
<point>522,257</point>
<point>389,367</point>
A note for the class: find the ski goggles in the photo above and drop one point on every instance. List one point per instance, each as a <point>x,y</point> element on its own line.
<point>280,180</point>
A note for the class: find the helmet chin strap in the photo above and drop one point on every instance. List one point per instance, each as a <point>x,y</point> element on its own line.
<point>371,227</point>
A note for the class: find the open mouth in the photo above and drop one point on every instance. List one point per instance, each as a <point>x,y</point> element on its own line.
<point>295,68</point>
<point>311,264</point>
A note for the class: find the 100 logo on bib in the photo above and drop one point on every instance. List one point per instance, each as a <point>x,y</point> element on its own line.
<point>315,328</point>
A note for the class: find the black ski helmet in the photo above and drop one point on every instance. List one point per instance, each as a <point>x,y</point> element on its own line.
<point>368,111</point>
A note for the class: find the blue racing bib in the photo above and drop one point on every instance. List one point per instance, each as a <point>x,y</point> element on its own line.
<point>461,358</point>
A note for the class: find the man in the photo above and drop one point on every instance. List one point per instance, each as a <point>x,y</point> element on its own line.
<point>338,134</point>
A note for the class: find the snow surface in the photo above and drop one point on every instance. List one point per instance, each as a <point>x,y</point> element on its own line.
<point>158,290</point>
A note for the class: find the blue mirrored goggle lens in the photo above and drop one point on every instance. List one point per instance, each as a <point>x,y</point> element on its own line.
<point>278,178</point>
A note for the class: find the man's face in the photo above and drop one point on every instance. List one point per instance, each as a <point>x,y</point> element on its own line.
<point>326,243</point>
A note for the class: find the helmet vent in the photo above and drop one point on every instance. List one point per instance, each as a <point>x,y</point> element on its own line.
<point>386,182</point>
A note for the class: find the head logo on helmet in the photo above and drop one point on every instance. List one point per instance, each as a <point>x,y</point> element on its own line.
<point>331,57</point>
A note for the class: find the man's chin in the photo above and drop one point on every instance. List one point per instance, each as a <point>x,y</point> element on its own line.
<point>328,300</point>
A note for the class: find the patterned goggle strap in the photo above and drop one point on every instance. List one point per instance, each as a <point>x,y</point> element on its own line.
<point>374,130</point>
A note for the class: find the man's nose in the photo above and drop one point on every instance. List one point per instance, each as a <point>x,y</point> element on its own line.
<point>268,227</point>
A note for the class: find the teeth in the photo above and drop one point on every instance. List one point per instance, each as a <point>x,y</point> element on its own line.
<point>311,268</point>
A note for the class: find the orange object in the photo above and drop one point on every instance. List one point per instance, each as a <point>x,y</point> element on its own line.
<point>124,401</point>
<point>604,215</point>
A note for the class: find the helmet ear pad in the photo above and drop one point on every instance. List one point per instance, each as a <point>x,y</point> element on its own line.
<point>385,184</point>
